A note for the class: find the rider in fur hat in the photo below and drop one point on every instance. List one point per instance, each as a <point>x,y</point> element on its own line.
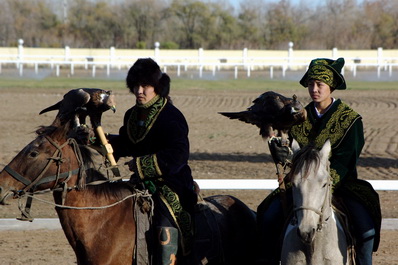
<point>155,134</point>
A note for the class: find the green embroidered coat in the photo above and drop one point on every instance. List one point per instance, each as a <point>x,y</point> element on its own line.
<point>343,126</point>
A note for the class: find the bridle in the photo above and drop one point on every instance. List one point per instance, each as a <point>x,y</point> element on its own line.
<point>327,203</point>
<point>57,158</point>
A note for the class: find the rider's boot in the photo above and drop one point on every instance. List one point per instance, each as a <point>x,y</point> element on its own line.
<point>364,249</point>
<point>167,246</point>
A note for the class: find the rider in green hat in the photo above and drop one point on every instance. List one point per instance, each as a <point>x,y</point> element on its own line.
<point>329,118</point>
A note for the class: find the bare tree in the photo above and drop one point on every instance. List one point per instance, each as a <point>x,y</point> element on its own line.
<point>210,24</point>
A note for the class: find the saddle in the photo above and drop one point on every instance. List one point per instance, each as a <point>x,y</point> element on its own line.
<point>207,234</point>
<point>207,244</point>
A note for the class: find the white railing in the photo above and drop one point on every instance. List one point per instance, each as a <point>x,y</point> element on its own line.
<point>197,60</point>
<point>178,67</point>
<point>271,184</point>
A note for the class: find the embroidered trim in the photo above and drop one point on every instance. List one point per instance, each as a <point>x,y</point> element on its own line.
<point>181,217</point>
<point>149,103</point>
<point>335,129</point>
<point>137,129</point>
<point>335,178</point>
<point>321,72</point>
<point>147,167</point>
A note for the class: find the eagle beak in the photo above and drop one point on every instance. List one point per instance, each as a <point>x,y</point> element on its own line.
<point>113,108</point>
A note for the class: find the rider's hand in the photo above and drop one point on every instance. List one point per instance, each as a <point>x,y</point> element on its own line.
<point>83,135</point>
<point>132,165</point>
<point>135,178</point>
<point>280,151</point>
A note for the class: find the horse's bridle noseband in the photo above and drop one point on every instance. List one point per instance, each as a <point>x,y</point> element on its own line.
<point>57,158</point>
<point>327,202</point>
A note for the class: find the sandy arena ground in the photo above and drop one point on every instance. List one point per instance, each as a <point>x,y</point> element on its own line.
<point>220,148</point>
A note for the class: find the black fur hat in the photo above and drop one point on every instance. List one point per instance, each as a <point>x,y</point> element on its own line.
<point>146,71</point>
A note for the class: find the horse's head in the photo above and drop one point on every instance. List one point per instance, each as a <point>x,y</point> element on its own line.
<point>311,182</point>
<point>40,164</point>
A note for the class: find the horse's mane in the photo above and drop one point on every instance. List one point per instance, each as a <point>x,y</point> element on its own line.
<point>304,158</point>
<point>59,131</point>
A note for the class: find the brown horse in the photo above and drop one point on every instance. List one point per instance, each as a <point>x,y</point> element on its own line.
<point>98,220</point>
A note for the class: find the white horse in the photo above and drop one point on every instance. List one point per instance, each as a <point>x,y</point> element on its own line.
<point>314,235</point>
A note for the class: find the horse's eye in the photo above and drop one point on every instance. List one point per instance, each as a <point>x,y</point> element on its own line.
<point>324,185</point>
<point>33,154</point>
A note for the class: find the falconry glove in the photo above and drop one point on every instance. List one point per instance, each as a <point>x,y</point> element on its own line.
<point>83,135</point>
<point>280,151</point>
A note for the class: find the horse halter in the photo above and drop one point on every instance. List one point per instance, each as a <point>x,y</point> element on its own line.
<point>57,158</point>
<point>327,202</point>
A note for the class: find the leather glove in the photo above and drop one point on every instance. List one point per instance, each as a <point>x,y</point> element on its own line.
<point>135,178</point>
<point>83,135</point>
<point>280,151</point>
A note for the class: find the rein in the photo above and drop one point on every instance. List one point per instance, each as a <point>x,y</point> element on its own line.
<point>137,194</point>
<point>57,157</point>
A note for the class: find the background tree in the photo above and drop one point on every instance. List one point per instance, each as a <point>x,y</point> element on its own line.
<point>191,16</point>
<point>93,25</point>
<point>250,23</point>
<point>282,25</point>
<point>192,24</point>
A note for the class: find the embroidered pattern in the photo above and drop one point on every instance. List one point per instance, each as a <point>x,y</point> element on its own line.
<point>148,167</point>
<point>320,72</point>
<point>336,128</point>
<point>180,216</point>
<point>137,129</point>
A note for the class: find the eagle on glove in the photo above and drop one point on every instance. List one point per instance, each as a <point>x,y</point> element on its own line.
<point>273,113</point>
<point>79,103</point>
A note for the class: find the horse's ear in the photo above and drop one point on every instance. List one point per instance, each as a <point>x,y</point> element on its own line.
<point>325,151</point>
<point>295,146</point>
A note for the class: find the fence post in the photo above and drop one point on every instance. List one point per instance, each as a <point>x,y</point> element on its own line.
<point>334,53</point>
<point>157,45</point>
<point>20,54</point>
<point>244,57</point>
<point>290,54</point>
<point>67,53</point>
<point>111,56</point>
<point>379,56</point>
<point>200,56</point>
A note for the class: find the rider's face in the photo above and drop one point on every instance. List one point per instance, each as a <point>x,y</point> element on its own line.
<point>144,93</point>
<point>319,91</point>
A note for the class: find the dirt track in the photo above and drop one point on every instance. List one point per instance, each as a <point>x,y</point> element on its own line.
<point>220,148</point>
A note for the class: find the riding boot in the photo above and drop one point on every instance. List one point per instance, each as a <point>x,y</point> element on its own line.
<point>167,246</point>
<point>364,249</point>
<point>364,231</point>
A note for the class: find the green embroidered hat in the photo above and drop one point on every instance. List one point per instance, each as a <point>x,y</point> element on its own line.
<point>327,71</point>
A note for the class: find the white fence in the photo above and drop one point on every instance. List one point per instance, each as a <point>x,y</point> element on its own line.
<point>200,60</point>
<point>270,184</point>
